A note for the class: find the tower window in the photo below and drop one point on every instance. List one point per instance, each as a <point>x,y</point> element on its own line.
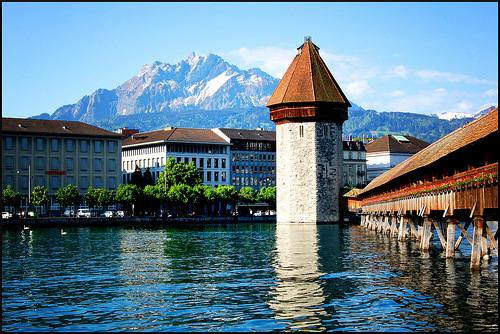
<point>301,131</point>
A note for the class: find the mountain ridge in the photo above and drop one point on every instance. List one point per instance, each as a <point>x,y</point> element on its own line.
<point>206,91</point>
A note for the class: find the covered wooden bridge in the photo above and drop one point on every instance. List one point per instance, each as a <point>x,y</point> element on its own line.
<point>451,183</point>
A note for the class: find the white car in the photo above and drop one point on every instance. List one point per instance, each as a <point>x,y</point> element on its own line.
<point>6,215</point>
<point>83,213</point>
<point>120,213</point>
<point>107,214</point>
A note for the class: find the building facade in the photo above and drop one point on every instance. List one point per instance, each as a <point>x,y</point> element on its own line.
<point>252,157</point>
<point>354,164</point>
<point>207,150</point>
<point>308,108</point>
<point>53,154</point>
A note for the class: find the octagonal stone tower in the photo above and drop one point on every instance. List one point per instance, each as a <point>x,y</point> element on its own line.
<point>308,108</point>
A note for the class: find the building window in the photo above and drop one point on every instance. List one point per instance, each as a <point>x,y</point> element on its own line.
<point>69,145</point>
<point>111,165</point>
<point>112,182</point>
<point>84,146</point>
<point>69,179</point>
<point>209,176</point>
<point>301,131</point>
<point>24,144</point>
<point>97,146</point>
<point>83,182</point>
<point>216,163</point>
<point>201,163</point>
<point>54,182</point>
<point>209,163</point>
<point>39,162</point>
<point>97,164</point>
<point>9,162</point>
<point>39,181</point>
<point>216,176</point>
<point>83,164</point>
<point>69,163</point>
<point>24,162</point>
<point>223,176</point>
<point>39,144</point>
<point>9,143</point>
<point>54,163</point>
<point>8,180</point>
<point>98,183</point>
<point>111,146</point>
<point>54,145</point>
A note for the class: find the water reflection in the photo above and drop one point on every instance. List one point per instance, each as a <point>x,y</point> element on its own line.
<point>298,296</point>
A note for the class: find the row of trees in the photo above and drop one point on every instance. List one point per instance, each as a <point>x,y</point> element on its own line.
<point>179,185</point>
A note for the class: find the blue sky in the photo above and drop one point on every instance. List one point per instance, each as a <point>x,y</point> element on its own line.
<point>413,57</point>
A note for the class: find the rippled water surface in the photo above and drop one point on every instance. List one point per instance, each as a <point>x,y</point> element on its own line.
<point>239,277</point>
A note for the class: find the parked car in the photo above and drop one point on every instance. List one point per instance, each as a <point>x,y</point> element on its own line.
<point>83,213</point>
<point>69,213</point>
<point>259,213</point>
<point>270,213</point>
<point>6,215</point>
<point>107,214</point>
<point>120,213</point>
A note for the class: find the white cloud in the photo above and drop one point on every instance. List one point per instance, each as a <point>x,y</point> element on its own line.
<point>490,93</point>
<point>272,60</point>
<point>357,89</point>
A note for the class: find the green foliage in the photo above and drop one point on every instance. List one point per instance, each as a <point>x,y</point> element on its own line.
<point>247,195</point>
<point>10,197</point>
<point>178,173</point>
<point>40,196</point>
<point>226,195</point>
<point>268,195</point>
<point>68,196</point>
<point>128,194</point>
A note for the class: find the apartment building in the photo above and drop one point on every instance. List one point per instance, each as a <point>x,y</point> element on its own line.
<point>207,150</point>
<point>354,167</point>
<point>54,153</point>
<point>252,157</point>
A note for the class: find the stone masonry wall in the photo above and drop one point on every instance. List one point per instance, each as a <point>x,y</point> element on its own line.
<point>309,172</point>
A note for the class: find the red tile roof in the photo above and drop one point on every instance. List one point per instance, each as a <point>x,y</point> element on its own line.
<point>307,80</point>
<point>390,143</point>
<point>47,127</point>
<point>464,136</point>
<point>174,135</point>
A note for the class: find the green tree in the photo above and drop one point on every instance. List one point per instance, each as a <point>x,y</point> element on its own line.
<point>136,177</point>
<point>68,196</point>
<point>152,196</point>
<point>226,195</point>
<point>92,197</point>
<point>268,195</point>
<point>247,196</point>
<point>10,197</point>
<point>179,173</point>
<point>147,178</point>
<point>105,197</point>
<point>181,195</point>
<point>40,196</point>
<point>128,195</point>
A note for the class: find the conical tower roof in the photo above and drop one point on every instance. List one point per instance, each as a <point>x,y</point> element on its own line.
<point>308,80</point>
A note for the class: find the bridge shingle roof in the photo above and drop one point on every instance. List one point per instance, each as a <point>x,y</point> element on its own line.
<point>465,135</point>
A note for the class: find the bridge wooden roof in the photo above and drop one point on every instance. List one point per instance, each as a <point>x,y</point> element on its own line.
<point>307,79</point>
<point>466,135</point>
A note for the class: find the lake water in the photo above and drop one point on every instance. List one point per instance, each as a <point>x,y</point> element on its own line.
<point>239,277</point>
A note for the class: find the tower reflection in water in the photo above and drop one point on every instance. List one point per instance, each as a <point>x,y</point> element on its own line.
<point>298,295</point>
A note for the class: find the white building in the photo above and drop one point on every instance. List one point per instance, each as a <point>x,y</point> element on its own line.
<point>384,153</point>
<point>354,164</point>
<point>208,151</point>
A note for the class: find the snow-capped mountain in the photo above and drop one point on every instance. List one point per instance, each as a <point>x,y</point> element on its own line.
<point>198,82</point>
<point>458,115</point>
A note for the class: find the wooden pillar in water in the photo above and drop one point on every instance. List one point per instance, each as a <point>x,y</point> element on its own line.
<point>477,236</point>
<point>402,229</point>
<point>426,234</point>
<point>450,238</point>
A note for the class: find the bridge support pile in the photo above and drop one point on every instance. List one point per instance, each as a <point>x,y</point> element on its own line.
<point>419,227</point>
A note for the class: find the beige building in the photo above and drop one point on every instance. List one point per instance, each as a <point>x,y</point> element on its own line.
<point>354,164</point>
<point>53,154</point>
